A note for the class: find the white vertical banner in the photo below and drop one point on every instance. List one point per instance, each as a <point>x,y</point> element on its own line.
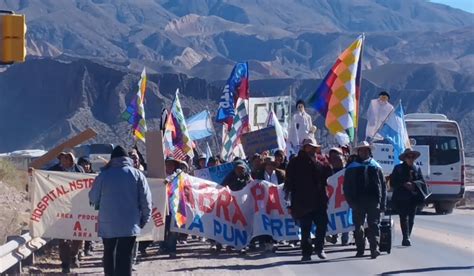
<point>61,209</point>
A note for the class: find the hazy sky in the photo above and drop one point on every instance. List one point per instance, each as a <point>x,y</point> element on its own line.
<point>467,5</point>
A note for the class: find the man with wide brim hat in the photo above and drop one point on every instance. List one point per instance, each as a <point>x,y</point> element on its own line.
<point>306,187</point>
<point>409,153</point>
<point>365,192</point>
<point>409,191</point>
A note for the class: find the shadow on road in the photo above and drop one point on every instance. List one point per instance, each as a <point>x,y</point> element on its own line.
<point>428,269</point>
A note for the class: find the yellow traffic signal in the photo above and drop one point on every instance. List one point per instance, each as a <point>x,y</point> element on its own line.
<point>12,38</point>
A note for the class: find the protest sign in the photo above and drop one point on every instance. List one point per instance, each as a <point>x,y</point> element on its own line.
<point>259,141</point>
<point>215,174</point>
<point>233,218</point>
<point>61,209</point>
<point>383,154</point>
<point>259,109</point>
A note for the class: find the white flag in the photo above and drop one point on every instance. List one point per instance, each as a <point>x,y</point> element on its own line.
<point>377,113</point>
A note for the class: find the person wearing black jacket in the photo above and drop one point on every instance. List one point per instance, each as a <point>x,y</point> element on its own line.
<point>365,192</point>
<point>305,185</point>
<point>409,190</point>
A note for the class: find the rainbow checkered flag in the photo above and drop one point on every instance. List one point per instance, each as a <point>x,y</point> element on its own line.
<point>337,98</point>
<point>135,112</point>
<point>231,139</point>
<point>176,195</point>
<point>181,138</point>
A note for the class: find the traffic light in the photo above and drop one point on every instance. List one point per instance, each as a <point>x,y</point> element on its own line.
<point>12,38</point>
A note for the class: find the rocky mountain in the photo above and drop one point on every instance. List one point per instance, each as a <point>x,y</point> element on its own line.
<point>85,57</point>
<point>283,39</point>
<point>62,98</point>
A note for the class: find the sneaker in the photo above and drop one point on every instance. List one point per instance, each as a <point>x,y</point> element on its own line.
<point>243,251</point>
<point>374,254</point>
<point>321,254</point>
<point>406,242</point>
<point>306,258</point>
<point>360,254</point>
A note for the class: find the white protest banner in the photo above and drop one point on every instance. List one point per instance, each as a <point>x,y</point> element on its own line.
<point>259,109</point>
<point>233,218</point>
<point>61,209</point>
<point>383,154</point>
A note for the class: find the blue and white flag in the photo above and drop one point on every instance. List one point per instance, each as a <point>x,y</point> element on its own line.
<point>200,126</point>
<point>208,153</point>
<point>394,130</point>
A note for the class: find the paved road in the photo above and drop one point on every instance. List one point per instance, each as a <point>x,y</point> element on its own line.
<point>442,245</point>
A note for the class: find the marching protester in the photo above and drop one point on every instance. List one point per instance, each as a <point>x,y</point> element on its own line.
<point>123,198</point>
<point>86,165</point>
<point>256,165</point>
<point>409,190</point>
<point>271,173</point>
<point>365,192</point>
<point>237,179</point>
<point>280,160</point>
<point>305,185</point>
<point>201,162</point>
<point>68,249</point>
<point>337,162</point>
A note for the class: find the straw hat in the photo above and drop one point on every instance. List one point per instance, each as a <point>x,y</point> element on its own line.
<point>310,142</point>
<point>409,152</point>
<point>363,144</point>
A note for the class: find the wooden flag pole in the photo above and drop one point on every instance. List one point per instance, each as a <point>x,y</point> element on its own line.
<point>69,144</point>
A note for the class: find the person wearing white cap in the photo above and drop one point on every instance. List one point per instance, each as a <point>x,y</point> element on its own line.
<point>365,192</point>
<point>409,190</point>
<point>305,186</point>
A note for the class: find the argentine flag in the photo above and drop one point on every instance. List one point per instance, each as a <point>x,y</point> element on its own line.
<point>200,126</point>
<point>394,130</point>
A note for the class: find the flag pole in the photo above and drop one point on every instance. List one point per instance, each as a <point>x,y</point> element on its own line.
<point>360,90</point>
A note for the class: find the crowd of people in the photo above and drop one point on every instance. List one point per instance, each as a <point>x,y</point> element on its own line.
<point>123,198</point>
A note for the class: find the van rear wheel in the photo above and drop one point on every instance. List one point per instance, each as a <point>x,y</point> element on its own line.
<point>444,207</point>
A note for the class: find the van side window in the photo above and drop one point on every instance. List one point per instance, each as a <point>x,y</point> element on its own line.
<point>444,150</point>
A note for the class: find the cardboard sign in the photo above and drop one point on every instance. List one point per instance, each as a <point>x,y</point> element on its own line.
<point>61,209</point>
<point>233,218</point>
<point>259,141</point>
<point>259,109</point>
<point>383,154</point>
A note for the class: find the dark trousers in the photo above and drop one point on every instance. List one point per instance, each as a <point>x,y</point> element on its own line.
<point>359,214</point>
<point>406,210</point>
<point>118,255</point>
<point>171,238</point>
<point>320,219</point>
<point>68,252</point>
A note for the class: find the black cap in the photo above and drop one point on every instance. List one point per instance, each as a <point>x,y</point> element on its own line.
<point>118,152</point>
<point>384,93</point>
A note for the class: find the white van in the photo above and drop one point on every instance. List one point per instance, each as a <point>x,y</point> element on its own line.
<point>443,136</point>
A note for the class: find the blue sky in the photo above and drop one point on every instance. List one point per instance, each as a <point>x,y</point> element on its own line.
<point>467,5</point>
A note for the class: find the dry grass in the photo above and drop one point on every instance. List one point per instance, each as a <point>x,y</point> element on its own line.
<point>13,203</point>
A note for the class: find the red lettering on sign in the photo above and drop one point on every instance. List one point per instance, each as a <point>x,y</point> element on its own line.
<point>273,202</point>
<point>258,193</point>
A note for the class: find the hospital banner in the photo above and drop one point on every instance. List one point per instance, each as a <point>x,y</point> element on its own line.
<point>61,209</point>
<point>259,109</point>
<point>233,218</point>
